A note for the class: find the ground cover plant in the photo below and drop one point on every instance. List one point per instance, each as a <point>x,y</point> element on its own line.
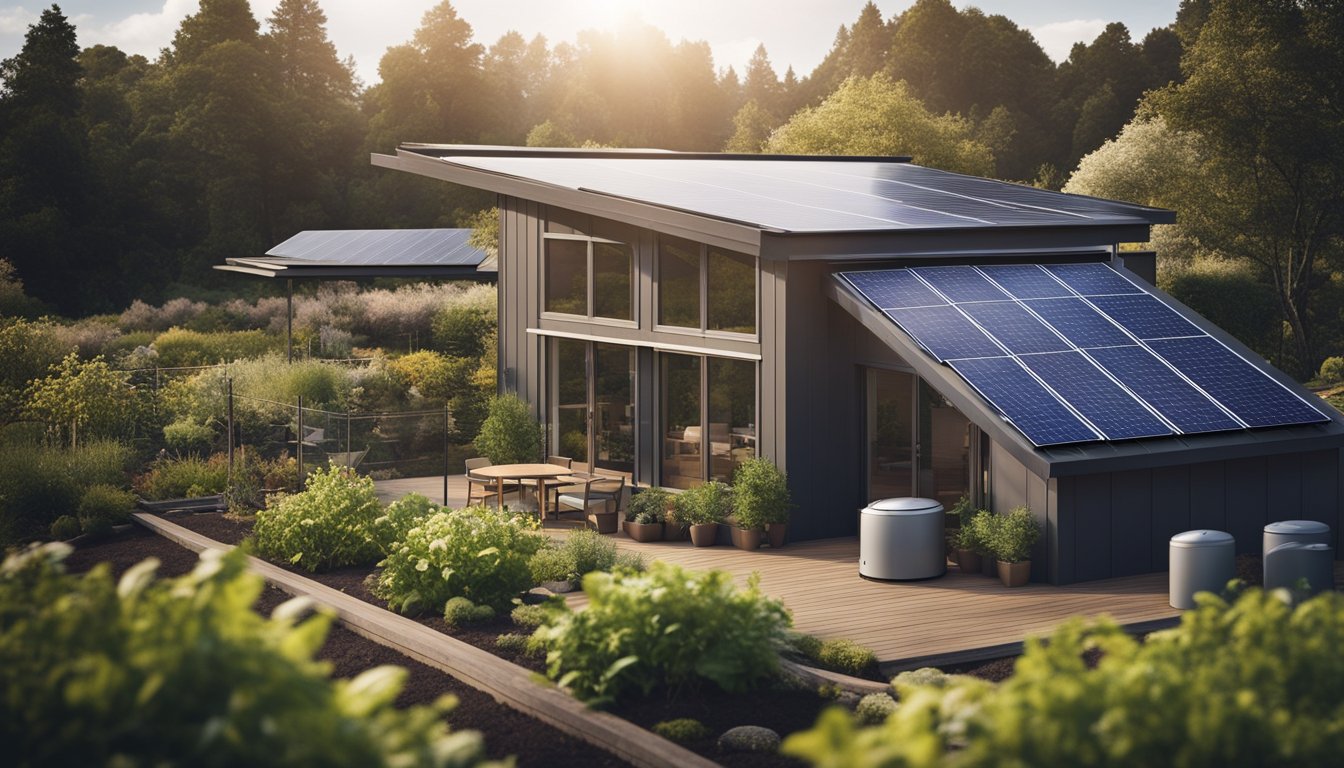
<point>330,523</point>
<point>1252,680</point>
<point>182,671</point>
<point>477,553</point>
<point>668,627</point>
<point>40,483</point>
<point>582,552</point>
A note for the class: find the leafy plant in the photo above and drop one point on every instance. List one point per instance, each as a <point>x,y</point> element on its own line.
<point>531,616</point>
<point>969,535</point>
<point>582,552</point>
<point>1255,681</point>
<point>1013,535</point>
<point>82,400</point>
<point>103,506</point>
<point>707,503</point>
<point>400,517</point>
<point>683,730</point>
<point>981,532</point>
<point>330,524</point>
<point>183,672</point>
<point>459,611</point>
<point>1332,370</point>
<point>476,553</point>
<point>650,504</point>
<point>844,655</point>
<point>667,627</point>
<point>65,527</point>
<point>550,563</point>
<point>874,708</point>
<point>760,494</point>
<point>172,478</point>
<point>510,434</point>
<point>184,437</point>
<point>178,347</point>
<point>40,483</point>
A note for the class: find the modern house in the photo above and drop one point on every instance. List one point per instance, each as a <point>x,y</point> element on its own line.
<point>877,329</point>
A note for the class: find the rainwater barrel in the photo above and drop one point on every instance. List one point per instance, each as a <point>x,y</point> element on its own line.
<point>901,539</point>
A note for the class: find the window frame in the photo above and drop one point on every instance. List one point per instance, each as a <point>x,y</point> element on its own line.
<point>590,280</point>
<point>703,330</point>
<point>706,455</point>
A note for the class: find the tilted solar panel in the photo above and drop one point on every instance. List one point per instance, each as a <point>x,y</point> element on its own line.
<point>1031,408</point>
<point>1015,327</point>
<point>946,333</point>
<point>1145,316</point>
<point>1112,410</point>
<point>894,288</point>
<point>1092,279</point>
<point>1079,322</point>
<point>1026,281</point>
<point>1246,391</point>
<point>1177,400</point>
<point>960,284</point>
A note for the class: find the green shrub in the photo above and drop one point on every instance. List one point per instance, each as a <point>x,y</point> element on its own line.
<point>66,527</point>
<point>400,517</point>
<point>254,477</point>
<point>590,551</point>
<point>683,730</point>
<point>178,347</point>
<point>968,536</point>
<point>551,563</point>
<point>172,478</point>
<point>103,506</point>
<point>1254,682</point>
<point>183,672</point>
<point>81,400</point>
<point>874,708</point>
<point>459,611</point>
<point>707,503</point>
<point>981,532</point>
<point>760,494</point>
<point>39,484</point>
<point>842,655</point>
<point>329,524</point>
<point>460,329</point>
<point>185,437</point>
<point>530,616</point>
<point>512,642</point>
<point>648,506</point>
<point>476,553</point>
<point>668,627</point>
<point>1332,370</point>
<point>510,434</point>
<point>582,552</point>
<point>1013,535</point>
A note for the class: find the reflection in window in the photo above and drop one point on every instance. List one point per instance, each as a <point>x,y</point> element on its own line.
<point>678,282</point>
<point>612,284</point>
<point>732,415</point>
<point>567,276</point>
<point>683,463</point>
<point>571,401</point>
<point>731,292</point>
<point>614,407</point>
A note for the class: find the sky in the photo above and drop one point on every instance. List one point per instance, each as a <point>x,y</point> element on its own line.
<point>796,33</point>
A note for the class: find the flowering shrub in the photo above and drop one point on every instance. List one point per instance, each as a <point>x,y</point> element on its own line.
<point>666,627</point>
<point>183,672</point>
<point>330,524</point>
<point>476,553</point>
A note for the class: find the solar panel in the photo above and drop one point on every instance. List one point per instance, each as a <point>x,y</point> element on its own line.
<point>1078,322</point>
<point>1020,397</point>
<point>1026,281</point>
<point>382,247</point>
<point>1255,398</point>
<point>1015,327</point>
<point>1117,364</point>
<point>961,283</point>
<point>1092,279</point>
<point>893,289</point>
<point>1176,399</point>
<point>945,333</point>
<point>1145,316</point>
<point>1099,399</point>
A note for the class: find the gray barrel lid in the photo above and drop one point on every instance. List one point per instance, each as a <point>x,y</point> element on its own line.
<point>1297,545</point>
<point>1300,527</point>
<point>904,505</point>
<point>1202,538</point>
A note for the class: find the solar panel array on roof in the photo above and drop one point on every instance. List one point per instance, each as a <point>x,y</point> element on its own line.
<point>382,247</point>
<point>817,195</point>
<point>1073,353</point>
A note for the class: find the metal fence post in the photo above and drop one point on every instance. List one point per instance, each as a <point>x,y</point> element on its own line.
<point>445,455</point>
<point>298,442</point>
<point>229,382</point>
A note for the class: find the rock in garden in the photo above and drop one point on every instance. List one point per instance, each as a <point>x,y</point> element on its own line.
<point>749,738</point>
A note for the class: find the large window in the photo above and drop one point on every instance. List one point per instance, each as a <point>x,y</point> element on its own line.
<point>708,418</point>
<point>705,288</point>
<point>588,277</point>
<point>593,404</point>
<point>918,444</point>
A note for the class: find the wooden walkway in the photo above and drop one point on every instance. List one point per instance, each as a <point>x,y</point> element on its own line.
<point>953,619</point>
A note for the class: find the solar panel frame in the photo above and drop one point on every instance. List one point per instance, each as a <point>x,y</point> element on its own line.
<point>893,289</point>
<point>960,284</point>
<point>945,332</point>
<point>1079,322</point>
<point>1179,401</point>
<point>1015,327</point>
<point>1026,281</point>
<point>1144,316</point>
<point>1092,279</point>
<point>1108,406</point>
<point>1027,404</point>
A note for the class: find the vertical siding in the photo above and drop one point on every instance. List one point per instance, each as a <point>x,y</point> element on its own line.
<point>1247,487</point>
<point>1208,494</point>
<point>519,298</point>
<point>1320,491</point>
<point>1061,531</point>
<point>1092,536</point>
<point>1171,507</point>
<point>1131,522</point>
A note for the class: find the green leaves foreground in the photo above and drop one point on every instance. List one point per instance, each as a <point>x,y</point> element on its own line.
<point>1252,683</point>
<point>183,672</point>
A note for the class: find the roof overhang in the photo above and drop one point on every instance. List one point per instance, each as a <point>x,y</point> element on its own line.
<point>299,271</point>
<point>354,254</point>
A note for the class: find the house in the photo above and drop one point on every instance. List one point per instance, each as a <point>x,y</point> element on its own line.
<point>877,329</point>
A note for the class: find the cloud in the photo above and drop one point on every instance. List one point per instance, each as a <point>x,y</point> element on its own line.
<point>143,33</point>
<point>1058,37</point>
<point>15,21</point>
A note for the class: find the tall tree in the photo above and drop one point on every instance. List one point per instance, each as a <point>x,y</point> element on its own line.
<point>761,83</point>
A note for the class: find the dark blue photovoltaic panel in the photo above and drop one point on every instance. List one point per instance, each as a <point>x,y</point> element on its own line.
<point>1014,327</point>
<point>1026,281</point>
<point>1021,398</point>
<point>893,288</point>
<point>1103,402</point>
<point>1145,316</point>
<point>1241,387</point>
<point>961,284</point>
<point>1092,279</point>
<point>1079,323</point>
<point>1173,397</point>
<point>945,332</point>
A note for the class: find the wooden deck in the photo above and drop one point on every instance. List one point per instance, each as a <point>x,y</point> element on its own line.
<point>947,620</point>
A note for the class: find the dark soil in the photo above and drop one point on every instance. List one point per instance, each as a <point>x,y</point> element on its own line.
<point>1250,570</point>
<point>506,731</point>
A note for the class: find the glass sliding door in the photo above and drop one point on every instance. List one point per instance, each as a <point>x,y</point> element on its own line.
<point>569,401</point>
<point>891,448</point>
<point>732,415</point>
<point>683,435</point>
<point>917,444</point>
<point>944,449</point>
<point>708,409</point>
<point>614,408</point>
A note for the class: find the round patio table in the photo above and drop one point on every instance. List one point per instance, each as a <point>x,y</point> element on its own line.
<point>539,472</point>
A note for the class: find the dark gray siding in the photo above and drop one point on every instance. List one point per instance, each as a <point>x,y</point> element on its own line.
<point>519,299</point>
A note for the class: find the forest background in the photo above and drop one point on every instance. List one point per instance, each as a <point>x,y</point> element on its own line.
<point>123,178</point>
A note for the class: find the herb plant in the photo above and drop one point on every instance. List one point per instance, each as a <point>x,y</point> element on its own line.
<point>707,503</point>
<point>648,506</point>
<point>330,524</point>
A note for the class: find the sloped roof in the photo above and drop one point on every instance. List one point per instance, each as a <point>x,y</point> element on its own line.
<point>371,253</point>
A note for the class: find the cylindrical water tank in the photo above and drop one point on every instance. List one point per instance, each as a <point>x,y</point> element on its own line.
<point>1300,531</point>
<point>902,539</point>
<point>1201,561</point>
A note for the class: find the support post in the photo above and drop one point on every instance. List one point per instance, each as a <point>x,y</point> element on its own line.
<point>289,320</point>
<point>445,455</point>
<point>229,384</point>
<point>298,442</point>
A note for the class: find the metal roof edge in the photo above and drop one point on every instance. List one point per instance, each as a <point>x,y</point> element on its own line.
<point>627,153</point>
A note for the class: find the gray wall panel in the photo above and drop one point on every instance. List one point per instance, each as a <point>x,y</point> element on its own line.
<point>1246,500</point>
<point>1320,490</point>
<point>1092,537</point>
<point>1207,496</point>
<point>1171,510</point>
<point>1062,530</point>
<point>1131,522</point>
<point>1284,487</point>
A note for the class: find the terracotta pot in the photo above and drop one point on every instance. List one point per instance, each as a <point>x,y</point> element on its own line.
<point>603,522</point>
<point>1014,574</point>
<point>704,534</point>
<point>747,539</point>
<point>987,566</point>
<point>644,531</point>
<point>968,560</point>
<point>775,533</point>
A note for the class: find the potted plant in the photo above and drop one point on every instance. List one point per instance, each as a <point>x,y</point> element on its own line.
<point>761,500</point>
<point>966,544</point>
<point>703,508</point>
<point>1014,535</point>
<point>644,518</point>
<point>953,521</point>
<point>981,538</point>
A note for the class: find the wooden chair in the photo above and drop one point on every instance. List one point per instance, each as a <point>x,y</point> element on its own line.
<point>598,497</point>
<point>552,487</point>
<point>489,487</point>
